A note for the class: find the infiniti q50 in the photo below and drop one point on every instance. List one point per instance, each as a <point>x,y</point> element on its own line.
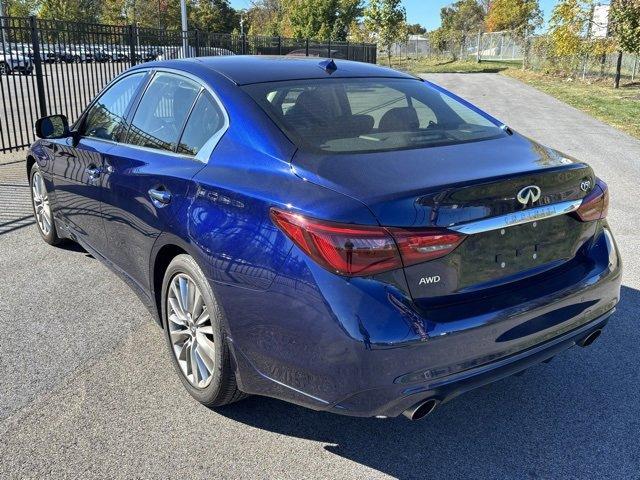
<point>335,234</point>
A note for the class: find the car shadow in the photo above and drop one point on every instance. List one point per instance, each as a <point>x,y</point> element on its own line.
<point>577,416</point>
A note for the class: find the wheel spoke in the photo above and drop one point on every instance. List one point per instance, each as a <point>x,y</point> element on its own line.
<point>207,346</point>
<point>203,318</point>
<point>184,293</point>
<point>176,302</point>
<point>207,329</point>
<point>179,335</point>
<point>197,303</point>
<point>195,371</point>
<point>204,361</point>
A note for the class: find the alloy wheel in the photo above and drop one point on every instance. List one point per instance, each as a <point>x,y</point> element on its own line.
<point>41,204</point>
<point>190,330</point>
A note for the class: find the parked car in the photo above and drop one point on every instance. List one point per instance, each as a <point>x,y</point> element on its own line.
<point>315,52</point>
<point>14,62</point>
<point>335,234</point>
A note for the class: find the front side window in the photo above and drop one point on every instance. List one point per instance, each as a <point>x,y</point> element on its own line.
<point>356,115</point>
<point>205,121</point>
<point>162,112</point>
<point>105,118</point>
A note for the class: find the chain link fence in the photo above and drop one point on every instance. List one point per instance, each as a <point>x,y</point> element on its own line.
<point>595,61</point>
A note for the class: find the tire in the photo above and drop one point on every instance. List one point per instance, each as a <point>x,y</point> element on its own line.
<point>208,343</point>
<point>4,68</point>
<point>42,213</point>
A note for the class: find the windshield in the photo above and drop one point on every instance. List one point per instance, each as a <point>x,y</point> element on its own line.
<point>359,115</point>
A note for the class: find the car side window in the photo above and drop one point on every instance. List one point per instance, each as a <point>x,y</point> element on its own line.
<point>162,112</point>
<point>205,121</point>
<point>105,118</point>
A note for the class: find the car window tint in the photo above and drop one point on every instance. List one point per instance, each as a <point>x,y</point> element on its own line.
<point>105,118</point>
<point>162,111</point>
<point>205,120</point>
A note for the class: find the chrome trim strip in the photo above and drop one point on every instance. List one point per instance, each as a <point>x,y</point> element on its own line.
<point>517,218</point>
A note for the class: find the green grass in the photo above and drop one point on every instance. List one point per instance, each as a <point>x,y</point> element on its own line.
<point>619,108</point>
<point>445,65</point>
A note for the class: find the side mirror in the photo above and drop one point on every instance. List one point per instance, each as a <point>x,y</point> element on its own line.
<point>53,126</point>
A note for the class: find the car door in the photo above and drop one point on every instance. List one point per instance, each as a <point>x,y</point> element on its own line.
<point>79,161</point>
<point>172,133</point>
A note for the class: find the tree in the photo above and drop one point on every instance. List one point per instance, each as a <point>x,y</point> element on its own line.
<point>568,26</point>
<point>213,16</point>
<point>387,20</point>
<point>322,19</point>
<point>21,8</point>
<point>264,17</point>
<point>517,16</point>
<point>458,21</point>
<point>72,10</point>
<point>625,24</point>
<point>416,29</point>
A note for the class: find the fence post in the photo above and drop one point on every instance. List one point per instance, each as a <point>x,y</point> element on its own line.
<point>306,47</point>
<point>132,45</point>
<point>196,39</point>
<point>279,45</point>
<point>37,61</point>
<point>478,54</point>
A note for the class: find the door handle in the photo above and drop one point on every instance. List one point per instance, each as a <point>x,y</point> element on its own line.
<point>160,198</point>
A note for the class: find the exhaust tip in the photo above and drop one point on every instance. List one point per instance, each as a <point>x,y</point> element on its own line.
<point>421,409</point>
<point>589,339</point>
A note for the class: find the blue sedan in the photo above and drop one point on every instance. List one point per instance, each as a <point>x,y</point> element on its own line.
<point>334,234</point>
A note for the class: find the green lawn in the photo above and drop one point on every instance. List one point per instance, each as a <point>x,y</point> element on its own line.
<point>619,108</point>
<point>445,65</point>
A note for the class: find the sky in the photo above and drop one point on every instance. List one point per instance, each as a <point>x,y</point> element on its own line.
<point>424,12</point>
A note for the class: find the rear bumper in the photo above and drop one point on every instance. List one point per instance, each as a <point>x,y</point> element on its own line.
<point>358,348</point>
<point>397,400</point>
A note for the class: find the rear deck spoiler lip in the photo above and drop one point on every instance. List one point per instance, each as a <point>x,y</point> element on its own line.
<point>517,218</point>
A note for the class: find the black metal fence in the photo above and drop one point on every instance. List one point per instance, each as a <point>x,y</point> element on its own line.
<point>50,66</point>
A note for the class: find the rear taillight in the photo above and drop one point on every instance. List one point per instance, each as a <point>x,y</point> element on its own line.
<point>355,250</point>
<point>596,204</point>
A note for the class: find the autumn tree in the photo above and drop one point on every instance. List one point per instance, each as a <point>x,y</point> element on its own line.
<point>518,16</point>
<point>387,20</point>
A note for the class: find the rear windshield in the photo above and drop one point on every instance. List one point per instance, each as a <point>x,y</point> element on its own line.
<point>358,115</point>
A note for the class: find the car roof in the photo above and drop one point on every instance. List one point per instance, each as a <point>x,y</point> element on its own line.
<point>247,69</point>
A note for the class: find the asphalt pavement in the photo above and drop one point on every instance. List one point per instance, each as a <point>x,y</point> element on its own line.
<point>87,389</point>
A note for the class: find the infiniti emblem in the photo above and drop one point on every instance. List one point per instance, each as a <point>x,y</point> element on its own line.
<point>529,194</point>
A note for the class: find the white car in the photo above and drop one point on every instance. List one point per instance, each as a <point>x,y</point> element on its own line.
<point>11,62</point>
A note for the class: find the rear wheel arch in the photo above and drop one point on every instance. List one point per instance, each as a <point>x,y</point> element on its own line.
<point>161,262</point>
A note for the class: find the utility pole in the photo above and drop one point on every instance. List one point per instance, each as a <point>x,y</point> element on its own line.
<point>185,28</point>
<point>241,22</point>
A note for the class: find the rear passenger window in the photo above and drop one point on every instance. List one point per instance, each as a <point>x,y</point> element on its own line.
<point>162,112</point>
<point>205,121</point>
